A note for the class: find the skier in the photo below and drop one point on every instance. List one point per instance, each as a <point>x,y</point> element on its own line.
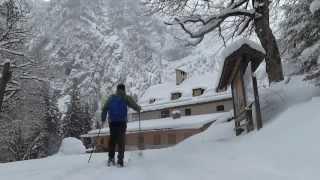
<point>117,109</point>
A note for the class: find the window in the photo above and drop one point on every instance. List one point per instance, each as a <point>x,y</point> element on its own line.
<point>157,139</point>
<point>175,96</point>
<point>172,138</point>
<point>165,113</point>
<point>220,108</point>
<point>151,101</point>
<point>183,73</point>
<point>197,92</point>
<point>187,112</point>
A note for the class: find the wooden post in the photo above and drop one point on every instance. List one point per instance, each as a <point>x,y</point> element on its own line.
<point>6,75</point>
<point>140,135</point>
<point>257,103</point>
<point>234,110</point>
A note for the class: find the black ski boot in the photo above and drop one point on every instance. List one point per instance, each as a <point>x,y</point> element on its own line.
<point>120,164</point>
<point>111,162</point>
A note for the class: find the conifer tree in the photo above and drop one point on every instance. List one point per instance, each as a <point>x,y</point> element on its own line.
<point>301,37</point>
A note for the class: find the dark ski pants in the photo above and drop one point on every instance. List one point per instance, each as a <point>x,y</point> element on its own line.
<point>117,137</point>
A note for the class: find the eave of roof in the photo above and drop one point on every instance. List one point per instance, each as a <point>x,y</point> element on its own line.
<point>167,124</point>
<point>232,62</point>
<point>187,101</point>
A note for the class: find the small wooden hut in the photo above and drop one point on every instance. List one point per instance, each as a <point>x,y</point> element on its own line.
<point>241,60</point>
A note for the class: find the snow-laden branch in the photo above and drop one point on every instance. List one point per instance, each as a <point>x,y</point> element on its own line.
<point>33,78</point>
<point>31,146</point>
<point>213,21</point>
<point>11,41</point>
<point>10,94</point>
<point>16,53</point>
<point>18,66</point>
<point>13,52</point>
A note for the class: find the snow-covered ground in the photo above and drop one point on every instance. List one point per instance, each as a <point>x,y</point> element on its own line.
<point>287,148</point>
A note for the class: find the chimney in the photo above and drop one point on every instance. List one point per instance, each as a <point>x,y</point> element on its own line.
<point>180,76</point>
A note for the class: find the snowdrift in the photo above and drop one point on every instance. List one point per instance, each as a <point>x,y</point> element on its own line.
<point>71,146</point>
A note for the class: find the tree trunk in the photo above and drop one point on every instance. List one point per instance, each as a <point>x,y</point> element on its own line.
<point>6,75</point>
<point>268,41</point>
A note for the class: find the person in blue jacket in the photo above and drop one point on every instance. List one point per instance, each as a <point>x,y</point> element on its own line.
<point>117,109</point>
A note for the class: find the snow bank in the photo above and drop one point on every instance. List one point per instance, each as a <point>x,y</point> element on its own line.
<point>281,96</point>
<point>315,6</point>
<point>71,146</point>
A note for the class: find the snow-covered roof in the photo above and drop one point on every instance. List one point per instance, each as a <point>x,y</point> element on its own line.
<point>240,47</point>
<point>162,93</point>
<point>237,44</point>
<point>182,68</point>
<point>185,122</point>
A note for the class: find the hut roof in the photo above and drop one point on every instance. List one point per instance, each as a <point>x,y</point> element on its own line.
<point>242,51</point>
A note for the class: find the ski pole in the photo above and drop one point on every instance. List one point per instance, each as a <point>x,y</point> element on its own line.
<point>140,136</point>
<point>95,147</point>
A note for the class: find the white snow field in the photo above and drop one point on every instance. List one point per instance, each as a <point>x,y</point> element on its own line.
<point>286,149</point>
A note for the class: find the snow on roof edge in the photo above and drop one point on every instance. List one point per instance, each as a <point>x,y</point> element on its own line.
<point>232,48</point>
<point>237,44</point>
<point>185,122</point>
<point>185,102</point>
<point>162,92</point>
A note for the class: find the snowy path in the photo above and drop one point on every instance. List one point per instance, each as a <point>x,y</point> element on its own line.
<point>286,149</point>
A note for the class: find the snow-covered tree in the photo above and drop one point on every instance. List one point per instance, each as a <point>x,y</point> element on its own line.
<point>301,37</point>
<point>12,27</point>
<point>21,93</point>
<point>200,17</point>
<point>21,144</point>
<point>14,33</point>
<point>99,44</point>
<point>78,117</point>
<point>53,126</point>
